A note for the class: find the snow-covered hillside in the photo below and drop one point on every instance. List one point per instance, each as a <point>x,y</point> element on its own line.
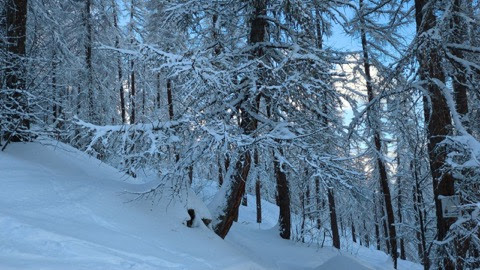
<point>61,209</point>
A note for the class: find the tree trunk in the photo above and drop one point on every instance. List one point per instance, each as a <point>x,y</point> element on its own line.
<point>220,173</point>
<point>417,206</point>
<point>248,124</point>
<point>258,186</point>
<point>377,222</point>
<point>132,67</point>
<point>16,26</point>
<point>158,92</point>
<point>55,99</point>
<point>460,76</point>
<point>385,229</point>
<point>283,192</point>
<point>132,93</point>
<point>171,114</point>
<point>399,210</point>
<point>190,174</point>
<point>354,237</point>
<point>170,100</point>
<point>366,236</point>
<point>437,118</point>
<point>317,202</point>
<point>384,188</point>
<point>119,65</point>
<point>88,61</point>
<point>234,198</point>
<point>333,219</point>
<point>259,200</point>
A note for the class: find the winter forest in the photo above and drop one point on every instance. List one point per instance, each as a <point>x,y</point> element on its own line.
<point>359,120</point>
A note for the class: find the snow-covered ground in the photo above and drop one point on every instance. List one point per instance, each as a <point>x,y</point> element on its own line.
<point>61,209</point>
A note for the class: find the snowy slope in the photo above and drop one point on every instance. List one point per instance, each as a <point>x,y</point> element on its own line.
<point>61,209</point>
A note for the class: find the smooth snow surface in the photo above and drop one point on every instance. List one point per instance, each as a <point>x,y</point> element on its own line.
<point>342,263</point>
<point>61,209</point>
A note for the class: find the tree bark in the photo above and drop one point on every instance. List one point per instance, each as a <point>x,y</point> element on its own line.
<point>333,218</point>
<point>133,93</point>
<point>283,192</point>
<point>317,203</point>
<point>385,228</point>
<point>258,185</point>
<point>55,100</point>
<point>132,68</point>
<point>366,236</point>
<point>437,118</point>
<point>119,65</point>
<point>88,61</point>
<point>258,197</point>
<point>171,114</point>
<point>220,173</point>
<point>399,210</point>
<point>234,198</point>
<point>460,76</point>
<point>158,91</point>
<point>354,237</point>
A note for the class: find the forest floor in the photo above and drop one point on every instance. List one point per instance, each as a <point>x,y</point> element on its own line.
<point>62,209</point>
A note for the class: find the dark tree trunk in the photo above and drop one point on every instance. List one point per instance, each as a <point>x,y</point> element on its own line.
<point>317,202</point>
<point>171,114</point>
<point>16,25</point>
<point>460,76</point>
<point>55,99</point>
<point>133,93</point>
<point>384,188</point>
<point>307,199</point>
<point>234,198</point>
<point>158,91</point>
<point>422,247</point>
<point>367,237</point>
<point>258,186</point>
<point>258,197</point>
<point>301,196</point>
<point>170,100</point>
<point>283,192</point>
<point>377,222</point>
<point>333,219</point>
<point>190,174</point>
<point>88,60</point>
<point>460,87</point>
<point>220,173</point>
<point>354,237</point>
<point>417,206</point>
<point>385,230</point>
<point>119,65</point>
<point>437,118</point>
<point>399,211</point>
